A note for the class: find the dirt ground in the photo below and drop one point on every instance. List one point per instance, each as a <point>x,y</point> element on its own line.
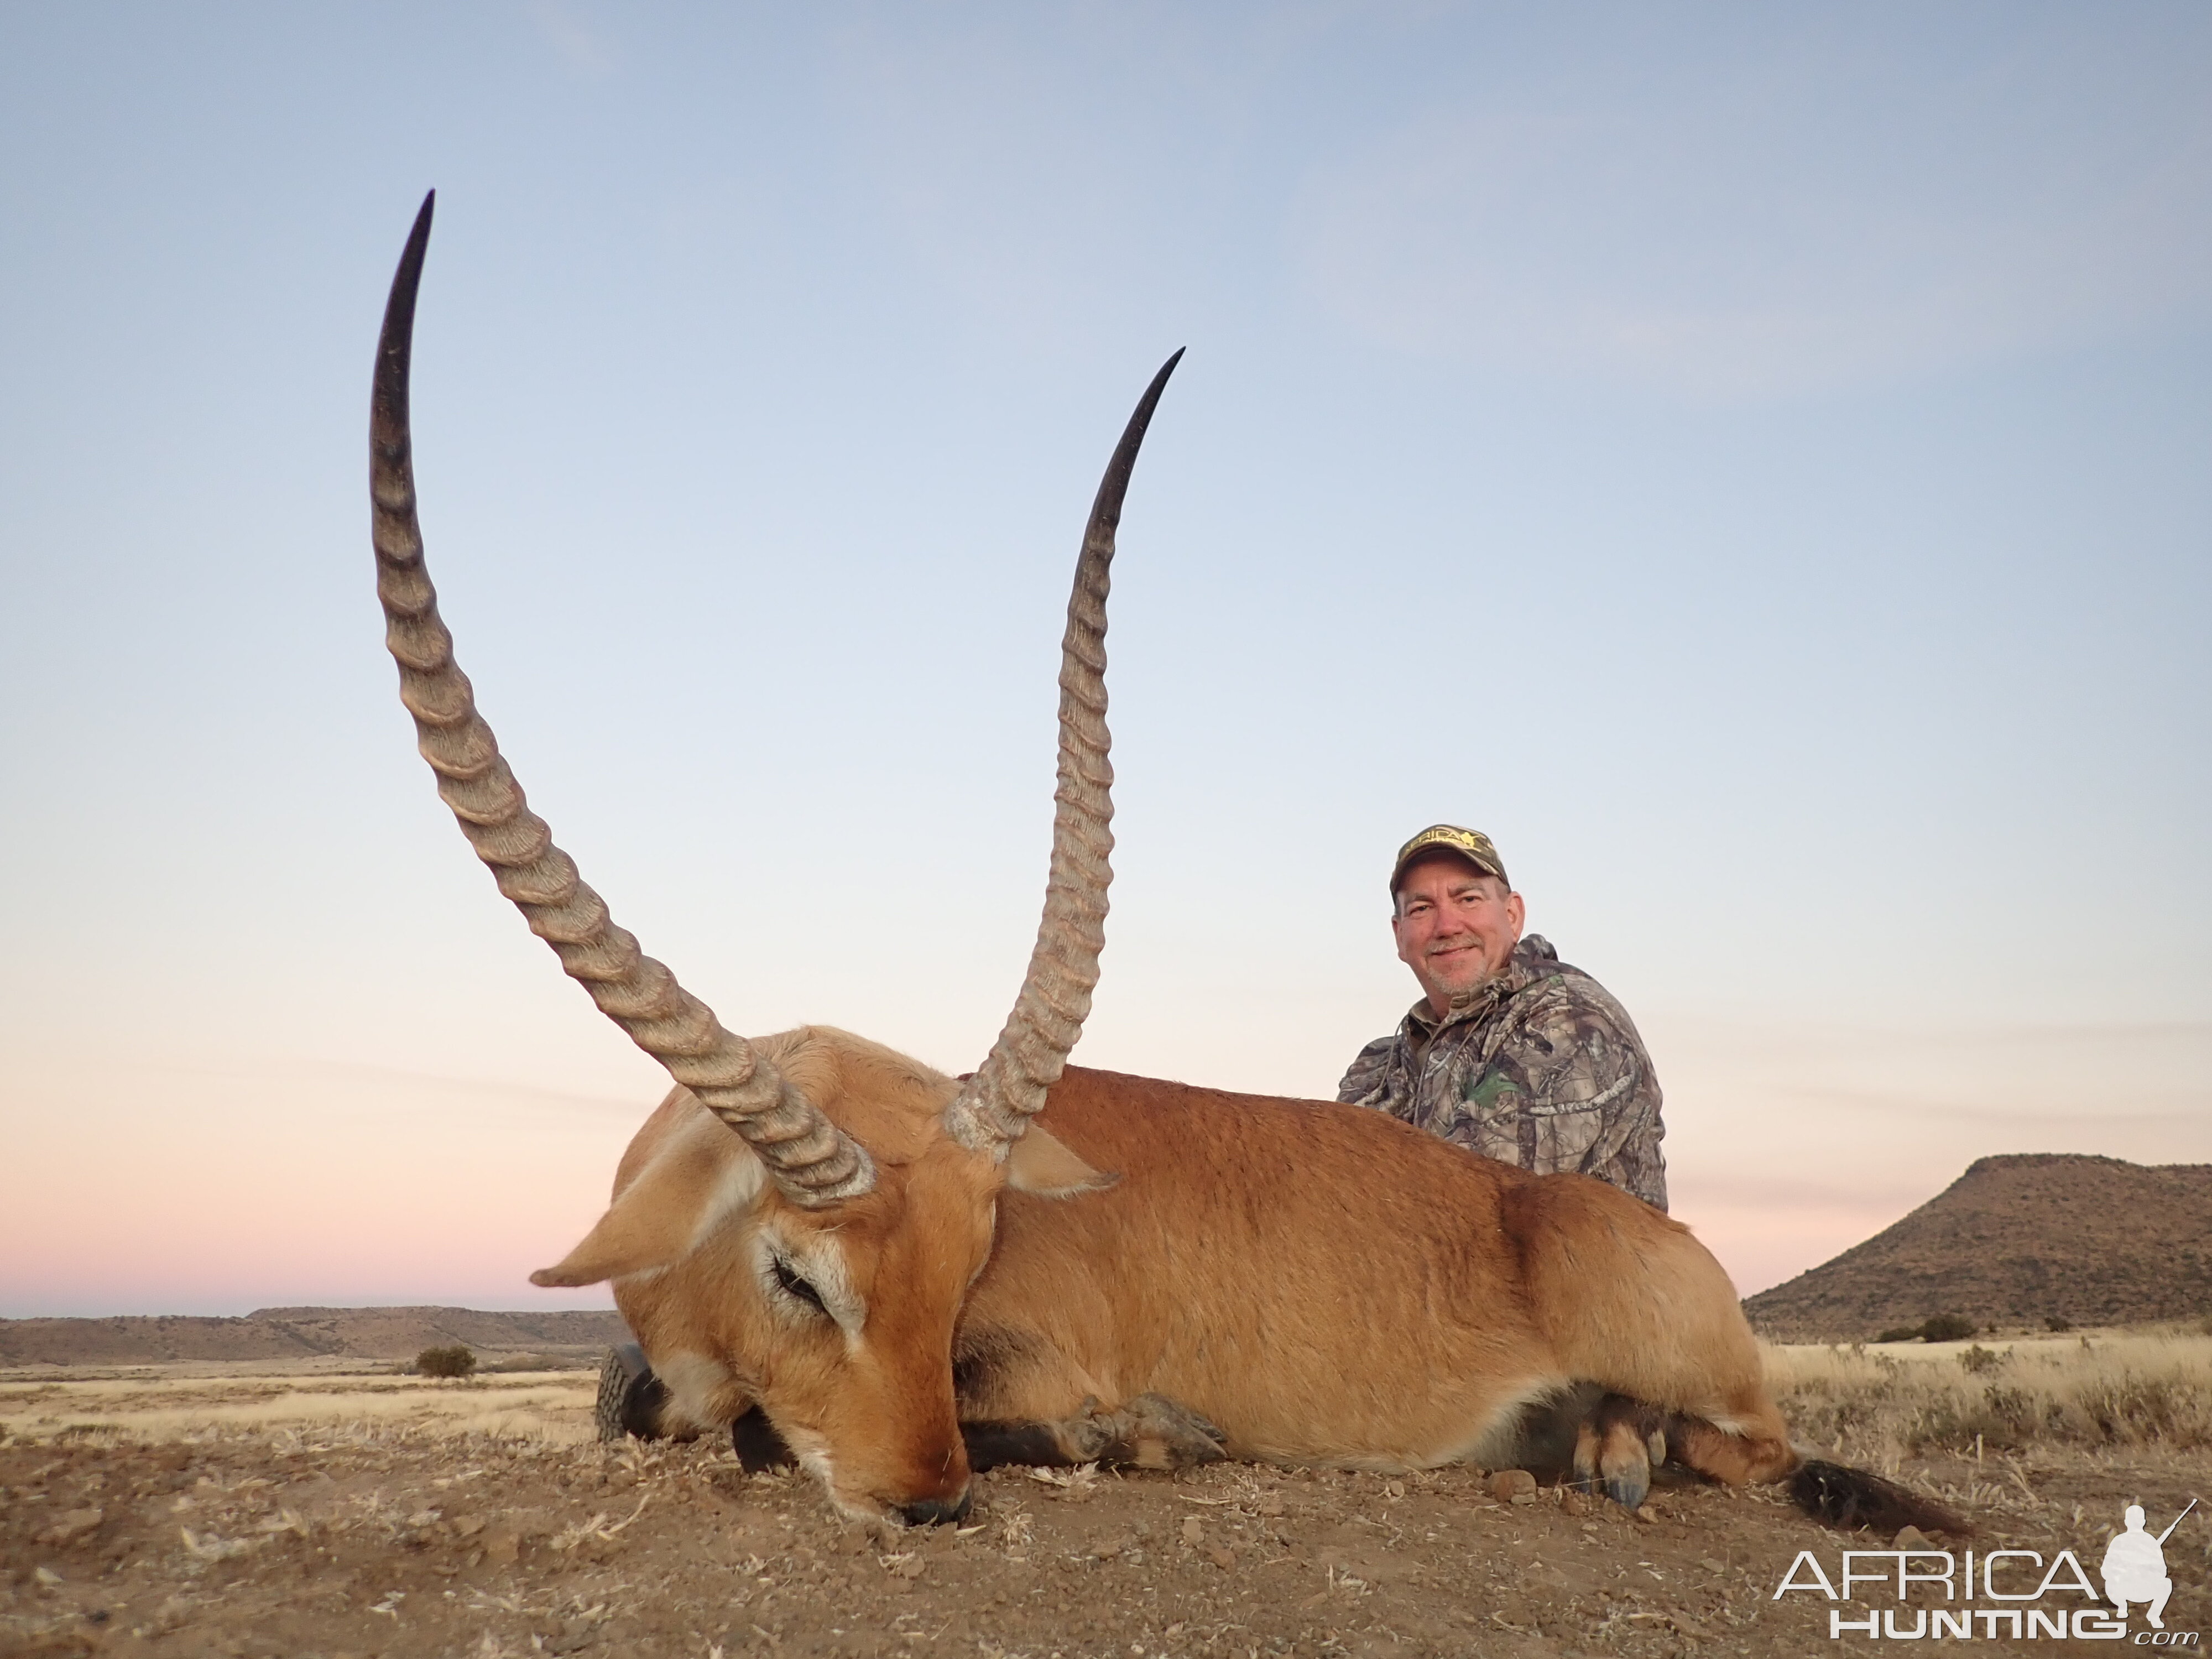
<point>157,1513</point>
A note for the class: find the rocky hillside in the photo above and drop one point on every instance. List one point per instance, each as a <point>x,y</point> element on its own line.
<point>300,1334</point>
<point>2017,1240</point>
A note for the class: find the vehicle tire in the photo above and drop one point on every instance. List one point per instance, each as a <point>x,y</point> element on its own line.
<point>628,1404</point>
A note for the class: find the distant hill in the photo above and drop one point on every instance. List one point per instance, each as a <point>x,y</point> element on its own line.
<point>300,1334</point>
<point>2017,1241</point>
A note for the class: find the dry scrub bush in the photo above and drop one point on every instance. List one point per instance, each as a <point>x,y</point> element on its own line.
<point>1941,1327</point>
<point>454,1361</point>
<point>2138,1391</point>
<point>1947,1328</point>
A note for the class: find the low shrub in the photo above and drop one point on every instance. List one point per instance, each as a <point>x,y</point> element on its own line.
<point>1943,1328</point>
<point>454,1361</point>
<point>1977,1360</point>
<point>2058,1322</point>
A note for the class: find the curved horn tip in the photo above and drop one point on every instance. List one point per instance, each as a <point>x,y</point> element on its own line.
<point>394,345</point>
<point>1106,506</point>
<point>418,242</point>
<point>1160,382</point>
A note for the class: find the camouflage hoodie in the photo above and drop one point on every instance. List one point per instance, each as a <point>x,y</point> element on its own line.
<point>1542,1068</point>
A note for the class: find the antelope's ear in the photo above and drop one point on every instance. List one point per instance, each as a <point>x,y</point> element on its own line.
<point>1042,1165</point>
<point>624,1241</point>
<point>664,1215</point>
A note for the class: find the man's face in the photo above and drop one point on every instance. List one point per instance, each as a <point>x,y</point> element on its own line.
<point>1454,926</point>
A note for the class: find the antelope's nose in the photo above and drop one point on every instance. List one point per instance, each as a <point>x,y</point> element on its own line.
<point>936,1511</point>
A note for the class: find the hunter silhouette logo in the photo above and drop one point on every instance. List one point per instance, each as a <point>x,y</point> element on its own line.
<point>2135,1566</point>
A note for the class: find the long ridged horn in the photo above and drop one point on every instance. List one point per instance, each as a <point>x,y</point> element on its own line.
<point>992,1112</point>
<point>812,1161</point>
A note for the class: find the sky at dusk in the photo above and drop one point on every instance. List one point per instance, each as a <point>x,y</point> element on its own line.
<point>1751,461</point>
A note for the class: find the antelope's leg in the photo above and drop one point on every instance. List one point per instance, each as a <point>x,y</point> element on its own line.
<point>1151,1431</point>
<point>1543,1436</point>
<point>1631,1300</point>
<point>1753,1446</point>
<point>1621,1443</point>
<point>758,1446</point>
<point>1616,1448</point>
<point>1024,1401</point>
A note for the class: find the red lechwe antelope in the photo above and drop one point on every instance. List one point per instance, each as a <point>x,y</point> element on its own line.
<point>911,1277</point>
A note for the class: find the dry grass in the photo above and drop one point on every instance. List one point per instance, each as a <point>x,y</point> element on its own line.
<point>1880,1403</point>
<point>1875,1404</point>
<point>554,1406</point>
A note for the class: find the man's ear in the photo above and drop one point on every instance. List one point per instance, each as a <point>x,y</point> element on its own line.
<point>1044,1166</point>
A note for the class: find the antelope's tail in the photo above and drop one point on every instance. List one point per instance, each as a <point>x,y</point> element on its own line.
<point>1842,1497</point>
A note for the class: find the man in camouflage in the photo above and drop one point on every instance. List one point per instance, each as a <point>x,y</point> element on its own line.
<point>1511,1053</point>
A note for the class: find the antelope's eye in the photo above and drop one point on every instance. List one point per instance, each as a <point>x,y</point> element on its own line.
<point>794,1285</point>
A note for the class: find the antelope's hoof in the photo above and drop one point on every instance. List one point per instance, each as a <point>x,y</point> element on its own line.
<point>1628,1479</point>
<point>1614,1450</point>
<point>1167,1435</point>
<point>1151,1431</point>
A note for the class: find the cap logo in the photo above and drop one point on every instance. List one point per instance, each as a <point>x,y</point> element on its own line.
<point>1470,844</point>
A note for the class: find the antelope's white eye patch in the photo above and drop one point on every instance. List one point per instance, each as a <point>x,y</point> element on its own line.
<point>807,1280</point>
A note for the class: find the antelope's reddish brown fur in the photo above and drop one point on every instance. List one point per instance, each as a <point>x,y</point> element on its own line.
<point>1325,1285</point>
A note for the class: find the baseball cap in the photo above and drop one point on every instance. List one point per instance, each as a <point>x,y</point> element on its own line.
<point>1470,844</point>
